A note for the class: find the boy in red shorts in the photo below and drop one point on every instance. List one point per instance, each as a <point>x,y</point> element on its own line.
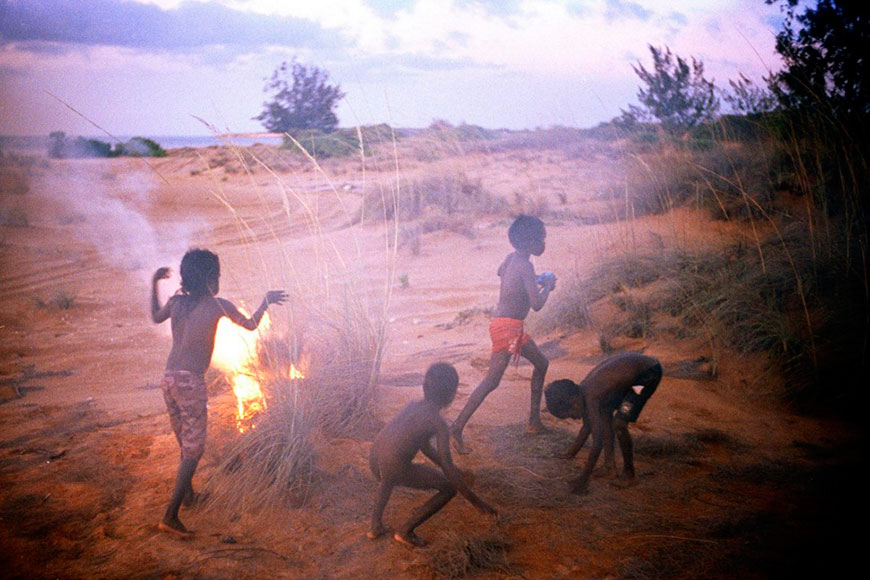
<point>195,311</point>
<point>520,291</point>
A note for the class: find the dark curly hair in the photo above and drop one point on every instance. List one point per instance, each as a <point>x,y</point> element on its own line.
<point>560,396</point>
<point>198,266</point>
<point>439,385</point>
<point>524,231</point>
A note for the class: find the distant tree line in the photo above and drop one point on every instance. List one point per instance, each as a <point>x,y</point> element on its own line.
<point>62,147</point>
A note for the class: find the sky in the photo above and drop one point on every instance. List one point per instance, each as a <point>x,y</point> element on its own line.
<point>193,67</point>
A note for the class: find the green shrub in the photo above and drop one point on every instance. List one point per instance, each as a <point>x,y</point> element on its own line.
<point>139,147</point>
<point>61,147</point>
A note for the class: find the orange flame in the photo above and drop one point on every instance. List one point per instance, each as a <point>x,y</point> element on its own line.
<point>235,352</point>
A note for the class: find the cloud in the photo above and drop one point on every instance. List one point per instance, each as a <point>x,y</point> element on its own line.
<point>129,24</point>
<point>619,9</point>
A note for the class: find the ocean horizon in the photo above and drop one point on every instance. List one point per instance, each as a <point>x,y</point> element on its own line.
<point>39,143</point>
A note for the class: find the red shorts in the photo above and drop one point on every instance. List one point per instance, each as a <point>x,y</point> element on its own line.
<point>186,397</point>
<point>507,334</point>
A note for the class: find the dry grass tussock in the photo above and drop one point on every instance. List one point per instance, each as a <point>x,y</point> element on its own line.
<point>463,556</point>
<point>795,287</point>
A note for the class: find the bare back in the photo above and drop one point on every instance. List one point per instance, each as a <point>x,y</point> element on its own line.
<point>611,380</point>
<point>194,324</point>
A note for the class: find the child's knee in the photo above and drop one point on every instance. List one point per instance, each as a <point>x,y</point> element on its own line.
<point>542,365</point>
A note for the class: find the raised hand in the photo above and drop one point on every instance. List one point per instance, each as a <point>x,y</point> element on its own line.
<point>162,274</point>
<point>275,297</point>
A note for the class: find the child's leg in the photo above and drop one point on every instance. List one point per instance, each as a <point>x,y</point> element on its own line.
<point>378,529</point>
<point>189,416</point>
<point>625,445</point>
<point>170,521</point>
<point>498,362</point>
<point>423,477</point>
<point>609,448</point>
<point>536,357</point>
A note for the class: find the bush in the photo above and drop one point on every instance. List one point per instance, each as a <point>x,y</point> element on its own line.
<point>60,147</point>
<point>322,145</point>
<point>139,147</point>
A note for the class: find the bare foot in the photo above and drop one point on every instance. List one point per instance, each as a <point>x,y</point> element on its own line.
<point>458,444</point>
<point>624,482</point>
<point>375,533</point>
<point>174,527</point>
<point>410,539</point>
<point>536,428</point>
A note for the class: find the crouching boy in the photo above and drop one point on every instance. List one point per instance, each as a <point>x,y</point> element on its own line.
<point>610,397</point>
<point>397,444</point>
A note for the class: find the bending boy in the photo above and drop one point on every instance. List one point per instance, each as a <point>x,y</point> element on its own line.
<point>519,292</point>
<point>607,402</point>
<point>195,311</point>
<point>397,444</point>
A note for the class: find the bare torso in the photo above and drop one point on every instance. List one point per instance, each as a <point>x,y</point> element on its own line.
<point>399,441</point>
<point>513,299</point>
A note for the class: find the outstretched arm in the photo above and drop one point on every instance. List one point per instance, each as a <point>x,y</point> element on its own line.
<point>452,472</point>
<point>582,436</point>
<point>231,312</point>
<point>158,313</point>
<point>598,429</point>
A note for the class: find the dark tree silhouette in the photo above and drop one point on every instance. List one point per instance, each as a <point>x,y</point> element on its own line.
<point>825,51</point>
<point>302,98</point>
<point>676,94</point>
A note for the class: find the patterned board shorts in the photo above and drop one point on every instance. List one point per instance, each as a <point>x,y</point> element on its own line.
<point>186,398</point>
<point>633,403</point>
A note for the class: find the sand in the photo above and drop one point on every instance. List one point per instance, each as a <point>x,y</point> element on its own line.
<point>731,482</point>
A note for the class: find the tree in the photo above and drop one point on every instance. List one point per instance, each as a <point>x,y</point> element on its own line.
<point>825,51</point>
<point>302,98</point>
<point>746,98</point>
<point>676,94</point>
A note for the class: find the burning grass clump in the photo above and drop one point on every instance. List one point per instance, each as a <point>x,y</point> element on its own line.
<point>269,465</point>
<point>463,556</point>
<point>315,384</point>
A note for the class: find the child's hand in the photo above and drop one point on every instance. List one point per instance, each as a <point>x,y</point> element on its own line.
<point>275,297</point>
<point>161,274</point>
<point>487,509</point>
<point>551,282</point>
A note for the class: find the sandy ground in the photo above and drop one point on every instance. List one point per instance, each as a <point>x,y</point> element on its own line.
<point>731,483</point>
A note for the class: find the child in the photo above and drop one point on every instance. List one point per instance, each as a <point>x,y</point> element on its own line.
<point>195,311</point>
<point>519,292</point>
<point>397,444</point>
<point>606,390</point>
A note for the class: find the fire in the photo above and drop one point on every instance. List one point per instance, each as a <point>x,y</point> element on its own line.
<point>235,353</point>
